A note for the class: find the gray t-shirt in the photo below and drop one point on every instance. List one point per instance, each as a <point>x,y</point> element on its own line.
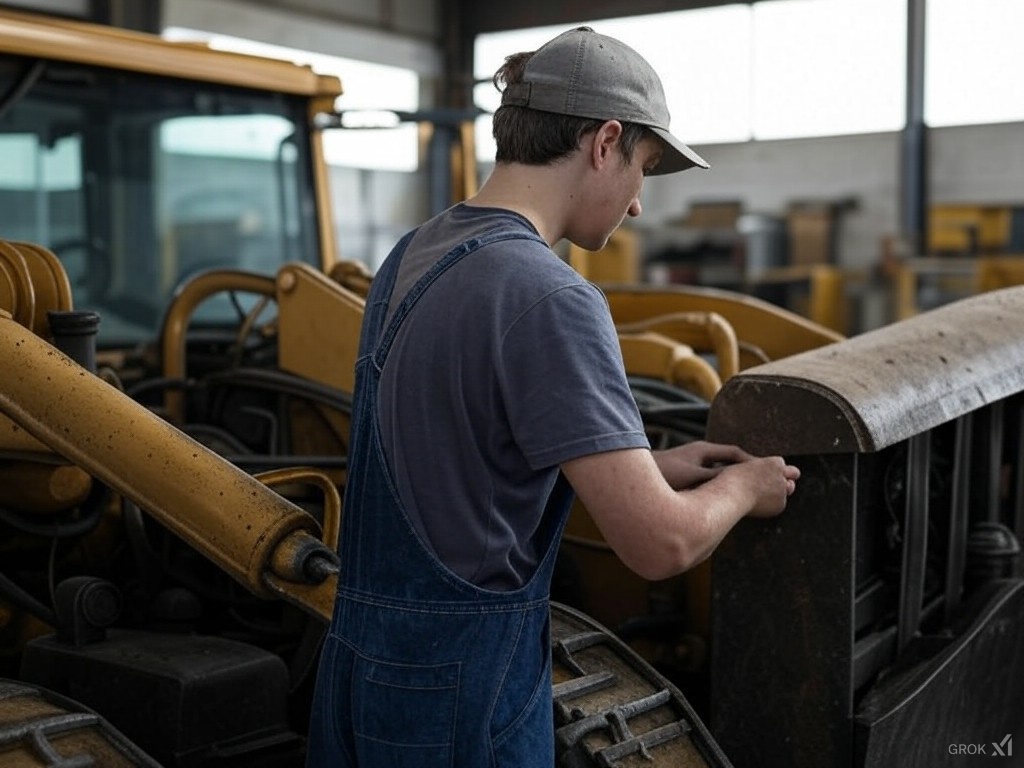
<point>506,367</point>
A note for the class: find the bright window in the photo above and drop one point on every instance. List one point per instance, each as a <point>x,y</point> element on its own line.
<point>702,56</point>
<point>974,61</point>
<point>828,67</point>
<point>367,86</point>
<point>31,164</point>
<point>774,69</point>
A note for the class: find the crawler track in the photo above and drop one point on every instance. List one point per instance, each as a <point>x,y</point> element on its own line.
<point>613,710</point>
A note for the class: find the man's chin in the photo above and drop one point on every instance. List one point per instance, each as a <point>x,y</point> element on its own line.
<point>592,245</point>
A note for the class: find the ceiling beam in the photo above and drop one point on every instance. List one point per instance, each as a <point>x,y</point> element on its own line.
<point>480,17</point>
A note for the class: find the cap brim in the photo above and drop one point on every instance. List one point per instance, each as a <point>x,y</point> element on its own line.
<point>677,156</point>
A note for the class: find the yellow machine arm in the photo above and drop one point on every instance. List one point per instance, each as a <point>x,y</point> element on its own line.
<point>258,537</point>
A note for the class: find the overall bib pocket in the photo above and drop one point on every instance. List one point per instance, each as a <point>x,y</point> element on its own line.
<point>404,714</point>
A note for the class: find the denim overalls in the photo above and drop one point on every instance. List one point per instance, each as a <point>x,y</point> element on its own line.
<point>421,669</point>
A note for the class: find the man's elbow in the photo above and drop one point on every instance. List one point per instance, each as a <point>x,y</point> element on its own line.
<point>666,560</point>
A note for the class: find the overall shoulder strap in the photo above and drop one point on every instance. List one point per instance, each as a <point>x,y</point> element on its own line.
<point>443,264</point>
<point>379,297</point>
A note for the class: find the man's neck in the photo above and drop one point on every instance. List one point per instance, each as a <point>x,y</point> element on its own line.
<point>543,194</point>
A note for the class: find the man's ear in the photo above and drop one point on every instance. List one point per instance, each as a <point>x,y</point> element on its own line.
<point>605,140</point>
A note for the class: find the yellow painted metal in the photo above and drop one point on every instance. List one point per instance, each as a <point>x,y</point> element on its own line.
<point>465,174</point>
<point>315,599</point>
<point>65,40</point>
<point>177,317</point>
<point>59,39</point>
<point>33,282</point>
<point>8,289</point>
<point>775,332</point>
<point>322,192</point>
<point>49,283</point>
<point>655,348</point>
<point>660,327</point>
<point>969,228</point>
<point>951,278</point>
<point>353,275</point>
<point>276,478</point>
<point>613,592</point>
<point>617,262</point>
<point>318,326</point>
<point>828,305</point>
<point>42,488</point>
<point>704,332</point>
<point>21,296</point>
<point>825,283</point>
<point>15,440</point>
<point>225,514</point>
<point>994,272</point>
<point>656,356</point>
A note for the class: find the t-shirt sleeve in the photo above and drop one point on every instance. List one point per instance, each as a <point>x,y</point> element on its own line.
<point>563,382</point>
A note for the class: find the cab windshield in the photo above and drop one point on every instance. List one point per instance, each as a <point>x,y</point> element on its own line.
<point>138,182</point>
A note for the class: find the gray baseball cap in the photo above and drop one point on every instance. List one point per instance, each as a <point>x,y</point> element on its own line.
<point>585,74</point>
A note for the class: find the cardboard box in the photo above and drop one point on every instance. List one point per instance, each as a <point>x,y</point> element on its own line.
<point>713,215</point>
<point>811,234</point>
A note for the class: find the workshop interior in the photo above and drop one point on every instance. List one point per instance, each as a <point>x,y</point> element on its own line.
<point>195,197</point>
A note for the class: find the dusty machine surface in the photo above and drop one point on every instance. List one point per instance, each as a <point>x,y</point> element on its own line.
<point>177,334</point>
<point>897,565</point>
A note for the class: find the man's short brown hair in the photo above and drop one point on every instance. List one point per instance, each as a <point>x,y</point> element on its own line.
<point>532,137</point>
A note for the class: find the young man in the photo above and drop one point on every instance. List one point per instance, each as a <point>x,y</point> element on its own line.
<point>490,388</point>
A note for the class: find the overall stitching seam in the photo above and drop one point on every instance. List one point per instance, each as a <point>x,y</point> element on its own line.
<point>455,717</point>
<point>400,745</point>
<point>331,716</point>
<point>436,607</point>
<point>538,690</point>
<point>499,689</point>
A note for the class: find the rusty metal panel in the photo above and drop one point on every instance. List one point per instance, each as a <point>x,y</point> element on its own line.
<point>874,390</point>
<point>911,720</point>
<point>783,592</point>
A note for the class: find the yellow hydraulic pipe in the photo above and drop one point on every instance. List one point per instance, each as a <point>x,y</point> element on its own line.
<point>175,326</point>
<point>233,519</point>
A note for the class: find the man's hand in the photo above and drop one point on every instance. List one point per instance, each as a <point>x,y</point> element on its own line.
<point>769,479</point>
<point>690,464</point>
<point>664,515</point>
